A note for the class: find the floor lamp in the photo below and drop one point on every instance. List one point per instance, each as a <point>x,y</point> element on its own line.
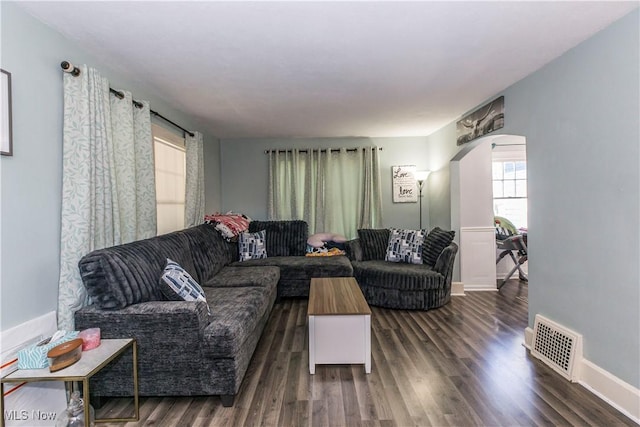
<point>421,177</point>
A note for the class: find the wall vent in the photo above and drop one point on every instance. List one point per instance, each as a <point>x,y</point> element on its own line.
<point>557,346</point>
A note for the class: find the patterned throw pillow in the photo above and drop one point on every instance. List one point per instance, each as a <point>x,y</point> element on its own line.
<point>434,244</point>
<point>405,246</point>
<point>229,225</point>
<point>252,245</point>
<point>177,284</point>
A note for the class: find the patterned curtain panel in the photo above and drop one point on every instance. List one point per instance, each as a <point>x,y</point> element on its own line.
<point>194,191</point>
<point>134,168</point>
<point>108,186</point>
<point>333,191</point>
<point>146,212</point>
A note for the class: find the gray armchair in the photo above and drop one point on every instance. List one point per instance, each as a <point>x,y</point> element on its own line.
<point>401,285</point>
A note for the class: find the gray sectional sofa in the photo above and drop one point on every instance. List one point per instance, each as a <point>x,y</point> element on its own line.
<point>182,349</point>
<point>198,348</point>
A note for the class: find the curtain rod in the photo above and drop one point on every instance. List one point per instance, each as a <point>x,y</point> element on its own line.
<point>322,150</point>
<point>68,67</point>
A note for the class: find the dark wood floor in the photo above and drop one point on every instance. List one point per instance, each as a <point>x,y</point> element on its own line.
<point>461,365</point>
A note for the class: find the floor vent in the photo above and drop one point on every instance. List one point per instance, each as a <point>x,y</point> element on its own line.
<point>557,346</point>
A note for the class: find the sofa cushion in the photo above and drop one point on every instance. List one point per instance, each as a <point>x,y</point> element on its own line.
<point>209,250</point>
<point>434,244</point>
<point>396,275</point>
<point>245,276</point>
<point>284,238</point>
<point>303,267</point>
<point>252,245</point>
<point>374,243</point>
<point>353,248</point>
<point>236,313</point>
<point>405,246</point>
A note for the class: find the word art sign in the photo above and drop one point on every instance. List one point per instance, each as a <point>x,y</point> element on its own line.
<point>404,184</point>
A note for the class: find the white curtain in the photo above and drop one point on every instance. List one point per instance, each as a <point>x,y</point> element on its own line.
<point>371,197</point>
<point>332,190</point>
<point>194,191</point>
<point>108,181</point>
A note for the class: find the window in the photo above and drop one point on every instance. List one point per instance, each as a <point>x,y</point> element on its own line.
<point>333,190</point>
<point>510,191</point>
<point>170,158</point>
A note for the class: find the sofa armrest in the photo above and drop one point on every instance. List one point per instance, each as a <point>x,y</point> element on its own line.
<point>148,319</point>
<point>353,248</point>
<point>445,261</point>
<point>169,336</point>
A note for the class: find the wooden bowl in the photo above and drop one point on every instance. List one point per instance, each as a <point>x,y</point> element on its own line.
<point>65,354</point>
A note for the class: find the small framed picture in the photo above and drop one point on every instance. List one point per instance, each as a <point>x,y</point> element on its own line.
<point>484,120</point>
<point>404,184</point>
<point>6,133</point>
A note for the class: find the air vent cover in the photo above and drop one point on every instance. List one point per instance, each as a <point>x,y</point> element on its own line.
<point>557,346</point>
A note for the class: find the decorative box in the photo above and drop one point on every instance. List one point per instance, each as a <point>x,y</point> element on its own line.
<point>65,354</point>
<point>35,356</point>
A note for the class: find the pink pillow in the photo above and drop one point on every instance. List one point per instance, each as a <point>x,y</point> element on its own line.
<point>317,240</point>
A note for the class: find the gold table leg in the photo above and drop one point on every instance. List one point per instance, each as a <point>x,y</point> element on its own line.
<point>136,403</point>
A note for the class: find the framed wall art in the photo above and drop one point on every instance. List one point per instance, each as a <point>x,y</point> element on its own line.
<point>6,133</point>
<point>404,184</point>
<point>484,120</point>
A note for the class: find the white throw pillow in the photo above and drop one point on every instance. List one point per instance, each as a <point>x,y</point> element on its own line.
<point>177,284</point>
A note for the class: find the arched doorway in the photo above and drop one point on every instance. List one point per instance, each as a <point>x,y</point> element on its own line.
<point>472,210</point>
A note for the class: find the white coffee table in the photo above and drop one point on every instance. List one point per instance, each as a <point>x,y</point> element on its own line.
<point>91,362</point>
<point>339,323</point>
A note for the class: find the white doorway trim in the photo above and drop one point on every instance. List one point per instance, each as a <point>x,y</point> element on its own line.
<point>472,210</point>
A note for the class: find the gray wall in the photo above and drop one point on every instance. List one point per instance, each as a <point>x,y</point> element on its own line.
<point>580,116</point>
<point>212,183</point>
<point>31,180</point>
<point>442,148</point>
<point>245,171</point>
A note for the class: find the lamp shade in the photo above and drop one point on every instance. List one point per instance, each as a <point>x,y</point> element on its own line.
<point>422,175</point>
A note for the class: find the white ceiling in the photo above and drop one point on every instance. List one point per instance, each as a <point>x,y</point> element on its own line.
<point>326,69</point>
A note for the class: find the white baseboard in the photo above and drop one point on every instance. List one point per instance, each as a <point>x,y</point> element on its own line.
<point>23,401</point>
<point>528,338</point>
<point>457,289</point>
<point>619,394</point>
<point>480,287</point>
